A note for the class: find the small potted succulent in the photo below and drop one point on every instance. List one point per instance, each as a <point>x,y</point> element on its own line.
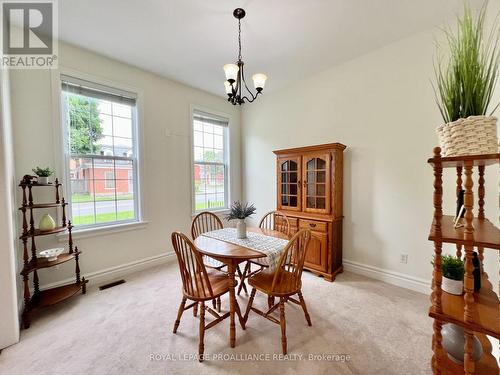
<point>453,274</point>
<point>43,174</point>
<point>240,211</point>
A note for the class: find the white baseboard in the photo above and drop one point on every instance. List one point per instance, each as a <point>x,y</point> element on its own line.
<point>391,277</point>
<point>112,273</point>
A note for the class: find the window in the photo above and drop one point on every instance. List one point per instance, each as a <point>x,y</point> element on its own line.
<point>101,153</point>
<point>210,155</point>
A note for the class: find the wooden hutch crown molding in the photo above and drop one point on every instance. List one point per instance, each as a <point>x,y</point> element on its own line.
<point>309,193</point>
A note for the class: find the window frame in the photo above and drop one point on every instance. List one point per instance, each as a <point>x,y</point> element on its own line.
<point>63,138</point>
<point>226,164</point>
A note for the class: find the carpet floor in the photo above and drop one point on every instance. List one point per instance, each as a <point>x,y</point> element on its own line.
<point>360,326</point>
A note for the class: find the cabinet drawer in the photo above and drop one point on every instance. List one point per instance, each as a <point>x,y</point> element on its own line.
<point>293,222</point>
<point>319,226</point>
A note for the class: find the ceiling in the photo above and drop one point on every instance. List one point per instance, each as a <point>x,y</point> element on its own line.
<point>189,40</point>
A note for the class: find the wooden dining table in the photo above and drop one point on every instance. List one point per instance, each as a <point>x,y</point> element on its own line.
<point>231,255</point>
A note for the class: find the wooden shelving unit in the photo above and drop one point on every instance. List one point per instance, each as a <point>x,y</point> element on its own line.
<point>478,313</point>
<point>48,297</point>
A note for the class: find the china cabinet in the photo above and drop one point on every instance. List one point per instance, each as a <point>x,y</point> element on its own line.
<point>309,191</point>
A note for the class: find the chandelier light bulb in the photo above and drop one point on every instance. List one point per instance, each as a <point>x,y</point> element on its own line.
<point>259,81</point>
<point>231,71</point>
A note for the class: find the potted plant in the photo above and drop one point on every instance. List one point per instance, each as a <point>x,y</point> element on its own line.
<point>464,87</point>
<point>240,211</point>
<point>43,174</point>
<point>453,274</point>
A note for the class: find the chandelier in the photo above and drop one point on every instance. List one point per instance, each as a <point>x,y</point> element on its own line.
<point>236,87</point>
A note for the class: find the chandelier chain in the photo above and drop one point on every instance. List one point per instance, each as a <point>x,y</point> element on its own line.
<point>239,39</point>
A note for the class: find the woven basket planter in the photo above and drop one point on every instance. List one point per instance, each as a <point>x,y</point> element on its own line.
<point>474,135</point>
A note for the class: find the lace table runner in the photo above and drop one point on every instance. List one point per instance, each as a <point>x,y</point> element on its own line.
<point>271,246</point>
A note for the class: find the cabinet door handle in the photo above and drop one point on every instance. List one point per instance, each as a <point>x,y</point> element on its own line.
<point>312,225</point>
<point>298,184</point>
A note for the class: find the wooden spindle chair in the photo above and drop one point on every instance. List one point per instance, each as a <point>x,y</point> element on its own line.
<point>284,283</point>
<point>273,220</point>
<point>202,223</point>
<point>198,285</point>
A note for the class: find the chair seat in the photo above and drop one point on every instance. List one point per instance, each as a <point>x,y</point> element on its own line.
<point>219,282</point>
<point>212,262</point>
<point>263,281</point>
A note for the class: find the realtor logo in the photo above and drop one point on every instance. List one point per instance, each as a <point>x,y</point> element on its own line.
<point>28,34</point>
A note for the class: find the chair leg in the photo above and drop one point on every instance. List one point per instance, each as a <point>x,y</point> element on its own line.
<point>179,314</point>
<point>250,302</point>
<point>214,303</point>
<point>283,324</point>
<point>195,309</point>
<point>270,301</point>
<point>304,307</point>
<point>201,347</point>
<point>218,304</point>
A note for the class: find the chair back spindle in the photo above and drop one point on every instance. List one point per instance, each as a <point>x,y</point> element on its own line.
<point>195,281</point>
<point>276,220</point>
<point>205,222</point>
<point>287,275</point>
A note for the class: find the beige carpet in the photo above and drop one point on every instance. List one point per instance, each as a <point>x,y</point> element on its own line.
<point>384,329</point>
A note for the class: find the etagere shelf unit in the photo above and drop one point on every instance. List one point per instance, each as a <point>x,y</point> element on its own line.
<point>477,312</point>
<point>32,263</point>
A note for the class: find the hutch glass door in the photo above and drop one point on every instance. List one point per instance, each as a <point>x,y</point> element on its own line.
<point>289,197</point>
<point>316,177</point>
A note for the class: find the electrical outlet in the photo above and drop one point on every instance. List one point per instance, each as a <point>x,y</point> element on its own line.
<point>404,258</point>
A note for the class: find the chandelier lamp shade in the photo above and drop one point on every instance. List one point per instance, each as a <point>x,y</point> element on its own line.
<point>236,87</point>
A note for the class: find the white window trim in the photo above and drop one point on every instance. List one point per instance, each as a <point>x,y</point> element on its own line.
<point>60,137</point>
<point>227,152</point>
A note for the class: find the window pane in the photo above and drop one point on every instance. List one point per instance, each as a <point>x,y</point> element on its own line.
<point>198,126</point>
<point>208,140</point>
<point>105,206</point>
<point>218,142</point>
<point>125,199</point>
<point>122,127</point>
<point>83,213</point>
<point>219,130</point>
<point>107,124</point>
<point>104,146</point>
<point>198,139</point>
<point>124,170</point>
<point>198,154</point>
<point>123,147</point>
<point>122,110</point>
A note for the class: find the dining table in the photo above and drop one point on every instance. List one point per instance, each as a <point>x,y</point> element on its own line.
<point>232,255</point>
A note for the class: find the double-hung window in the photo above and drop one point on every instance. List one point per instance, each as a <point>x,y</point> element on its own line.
<point>211,162</point>
<point>101,153</point>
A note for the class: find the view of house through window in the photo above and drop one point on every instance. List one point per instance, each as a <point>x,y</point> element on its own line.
<point>210,162</point>
<point>102,153</point>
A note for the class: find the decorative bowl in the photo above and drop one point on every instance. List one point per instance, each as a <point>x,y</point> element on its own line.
<point>51,254</point>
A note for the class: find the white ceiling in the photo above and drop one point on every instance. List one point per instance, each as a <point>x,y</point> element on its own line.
<point>190,40</point>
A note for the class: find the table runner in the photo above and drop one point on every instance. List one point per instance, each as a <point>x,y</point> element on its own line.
<point>271,246</point>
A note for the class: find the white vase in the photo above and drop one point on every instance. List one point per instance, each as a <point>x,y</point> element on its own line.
<point>42,180</point>
<point>451,286</point>
<point>241,229</point>
<point>46,223</point>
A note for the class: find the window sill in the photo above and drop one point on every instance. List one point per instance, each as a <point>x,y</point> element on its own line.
<point>216,212</point>
<point>103,231</point>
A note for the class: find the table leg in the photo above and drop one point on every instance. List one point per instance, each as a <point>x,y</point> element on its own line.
<point>231,268</point>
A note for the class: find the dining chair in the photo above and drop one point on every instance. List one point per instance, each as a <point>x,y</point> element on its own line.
<point>273,220</point>
<point>198,285</point>
<point>284,283</point>
<point>206,222</point>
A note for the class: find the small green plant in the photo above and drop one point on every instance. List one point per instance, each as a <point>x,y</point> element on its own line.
<point>240,211</point>
<point>43,172</point>
<point>466,82</point>
<point>452,267</point>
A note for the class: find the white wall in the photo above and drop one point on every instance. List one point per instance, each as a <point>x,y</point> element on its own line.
<point>166,160</point>
<point>381,105</point>
<point>9,321</point>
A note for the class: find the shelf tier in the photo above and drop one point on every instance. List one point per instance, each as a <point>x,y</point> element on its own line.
<point>486,234</point>
<point>52,296</point>
<point>38,232</point>
<point>43,205</point>
<point>459,161</point>
<point>487,364</point>
<point>38,263</point>
<point>33,184</point>
<point>486,310</point>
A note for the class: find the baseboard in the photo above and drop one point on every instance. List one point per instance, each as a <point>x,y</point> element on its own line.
<point>108,274</point>
<point>391,277</point>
